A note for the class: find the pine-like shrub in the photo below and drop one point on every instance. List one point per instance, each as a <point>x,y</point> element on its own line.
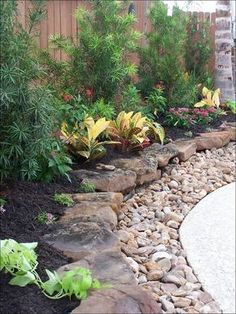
<point>27,147</point>
<point>198,49</point>
<point>98,65</point>
<point>162,60</point>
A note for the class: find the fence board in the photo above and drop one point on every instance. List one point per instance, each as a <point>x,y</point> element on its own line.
<point>60,19</point>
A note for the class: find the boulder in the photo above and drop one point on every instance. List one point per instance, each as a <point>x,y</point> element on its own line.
<point>119,300</point>
<point>231,128</point>
<point>108,266</point>
<point>91,211</point>
<point>204,143</point>
<point>144,166</point>
<point>162,153</point>
<point>212,140</point>
<point>109,181</point>
<point>185,149</point>
<point>80,237</point>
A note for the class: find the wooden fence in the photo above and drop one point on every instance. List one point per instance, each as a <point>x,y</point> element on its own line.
<point>60,19</point>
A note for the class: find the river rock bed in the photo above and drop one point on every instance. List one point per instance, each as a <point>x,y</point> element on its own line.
<point>149,229</point>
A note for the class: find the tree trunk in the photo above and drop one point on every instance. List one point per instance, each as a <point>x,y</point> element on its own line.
<point>223,52</point>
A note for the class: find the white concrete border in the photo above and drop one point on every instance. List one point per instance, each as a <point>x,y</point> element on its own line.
<point>208,236</point>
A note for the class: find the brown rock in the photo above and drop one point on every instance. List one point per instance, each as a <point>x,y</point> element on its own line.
<point>232,132</point>
<point>109,181</point>
<point>223,136</point>
<point>95,212</point>
<point>119,300</point>
<point>79,238</point>
<point>107,266</point>
<point>185,149</point>
<point>204,143</point>
<point>112,199</point>
<point>144,166</point>
<point>163,153</point>
<point>155,275</point>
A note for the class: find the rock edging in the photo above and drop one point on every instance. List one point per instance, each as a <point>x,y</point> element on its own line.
<point>85,232</point>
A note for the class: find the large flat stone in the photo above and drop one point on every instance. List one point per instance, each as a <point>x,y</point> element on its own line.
<point>114,200</point>
<point>108,266</point>
<point>119,300</point>
<point>110,181</point>
<point>80,238</point>
<point>204,143</point>
<point>223,137</point>
<point>185,149</point>
<point>162,153</point>
<point>91,211</point>
<point>144,166</point>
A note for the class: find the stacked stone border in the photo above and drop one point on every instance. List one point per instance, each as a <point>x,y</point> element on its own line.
<point>87,231</point>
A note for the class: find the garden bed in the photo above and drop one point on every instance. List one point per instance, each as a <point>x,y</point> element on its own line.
<point>175,133</point>
<point>25,200</point>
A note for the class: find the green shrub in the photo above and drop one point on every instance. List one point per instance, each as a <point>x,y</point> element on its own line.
<point>27,115</point>
<point>86,187</point>
<point>130,98</point>
<point>231,104</point>
<point>198,49</point>
<point>63,199</point>
<point>98,66</point>
<point>156,101</point>
<point>163,58</point>
<point>101,109</point>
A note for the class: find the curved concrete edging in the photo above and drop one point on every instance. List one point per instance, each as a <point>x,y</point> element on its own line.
<point>208,236</point>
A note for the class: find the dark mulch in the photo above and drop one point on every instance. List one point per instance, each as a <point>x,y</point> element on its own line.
<point>24,202</point>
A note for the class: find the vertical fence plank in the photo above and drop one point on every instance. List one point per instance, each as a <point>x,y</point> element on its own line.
<point>51,23</point>
<point>57,24</point>
<point>66,25</point>
<point>21,12</point>
<point>74,6</point>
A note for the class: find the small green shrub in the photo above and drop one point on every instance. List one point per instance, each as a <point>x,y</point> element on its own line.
<point>157,102</point>
<point>2,201</point>
<point>20,260</point>
<point>63,199</point>
<point>130,98</point>
<point>101,109</point>
<point>45,218</point>
<point>231,104</point>
<point>86,187</point>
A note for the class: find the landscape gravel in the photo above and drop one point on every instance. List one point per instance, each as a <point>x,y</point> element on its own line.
<point>149,229</point>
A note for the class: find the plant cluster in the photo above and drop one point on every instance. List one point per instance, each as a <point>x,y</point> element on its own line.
<point>63,199</point>
<point>20,260</point>
<point>186,117</point>
<point>45,218</point>
<point>86,187</point>
<point>231,104</point>
<point>133,131</point>
<point>210,98</point>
